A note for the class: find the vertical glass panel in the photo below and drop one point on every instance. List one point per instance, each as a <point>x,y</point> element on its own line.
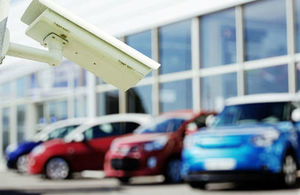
<point>41,119</point>
<point>265,29</point>
<point>139,100</point>
<point>215,89</point>
<point>80,106</point>
<point>5,90</point>
<point>298,75</point>
<point>22,87</point>
<point>99,81</point>
<point>267,80</point>
<point>6,127</point>
<point>175,47</point>
<point>218,39</point>
<point>21,122</point>
<point>108,103</point>
<point>176,95</point>
<point>297,20</point>
<point>58,110</point>
<point>80,77</point>
<point>141,42</point>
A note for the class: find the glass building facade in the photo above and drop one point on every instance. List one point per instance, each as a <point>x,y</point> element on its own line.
<point>251,48</point>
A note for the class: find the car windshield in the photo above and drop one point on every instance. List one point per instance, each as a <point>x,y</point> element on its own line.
<point>161,125</point>
<point>253,113</point>
<point>61,132</point>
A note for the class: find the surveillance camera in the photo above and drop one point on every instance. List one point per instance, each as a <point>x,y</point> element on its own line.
<point>67,35</point>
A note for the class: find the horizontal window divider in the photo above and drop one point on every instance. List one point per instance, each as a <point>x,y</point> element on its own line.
<point>176,76</point>
<point>265,63</point>
<point>105,88</point>
<point>218,70</point>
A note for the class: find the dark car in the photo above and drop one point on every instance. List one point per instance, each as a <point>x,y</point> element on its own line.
<point>153,149</point>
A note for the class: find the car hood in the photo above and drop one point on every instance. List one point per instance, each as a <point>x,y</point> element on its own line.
<point>253,129</point>
<point>22,147</point>
<point>236,136</point>
<point>140,138</point>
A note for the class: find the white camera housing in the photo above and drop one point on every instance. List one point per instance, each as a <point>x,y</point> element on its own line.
<point>67,35</point>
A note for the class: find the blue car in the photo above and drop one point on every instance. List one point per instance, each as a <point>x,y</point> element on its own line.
<point>16,154</point>
<point>253,138</point>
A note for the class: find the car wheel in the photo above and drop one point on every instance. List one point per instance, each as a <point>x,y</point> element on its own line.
<point>289,171</point>
<point>197,185</point>
<point>21,163</point>
<point>57,169</point>
<point>124,180</point>
<point>172,174</point>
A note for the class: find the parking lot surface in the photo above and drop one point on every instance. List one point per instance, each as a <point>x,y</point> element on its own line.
<point>12,183</point>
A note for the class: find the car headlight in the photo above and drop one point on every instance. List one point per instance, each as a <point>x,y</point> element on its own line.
<point>189,141</point>
<point>155,145</point>
<point>265,139</point>
<point>38,150</point>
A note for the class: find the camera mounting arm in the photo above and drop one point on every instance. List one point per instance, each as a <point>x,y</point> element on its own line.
<point>53,56</point>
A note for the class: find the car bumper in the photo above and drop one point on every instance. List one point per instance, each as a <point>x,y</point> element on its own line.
<point>11,163</point>
<point>35,165</point>
<point>245,158</point>
<point>130,166</point>
<point>230,176</point>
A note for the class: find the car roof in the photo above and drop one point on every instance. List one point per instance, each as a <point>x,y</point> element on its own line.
<point>62,123</point>
<point>128,117</point>
<point>265,98</point>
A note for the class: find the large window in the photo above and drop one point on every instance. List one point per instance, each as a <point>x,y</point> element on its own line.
<point>215,89</point>
<point>265,29</point>
<point>108,102</point>
<point>176,95</point>
<point>175,47</point>
<point>139,100</point>
<point>267,80</point>
<point>218,40</point>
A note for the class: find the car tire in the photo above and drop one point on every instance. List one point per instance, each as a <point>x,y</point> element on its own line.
<point>172,173</point>
<point>21,164</point>
<point>124,180</point>
<point>57,169</point>
<point>197,185</point>
<point>289,171</point>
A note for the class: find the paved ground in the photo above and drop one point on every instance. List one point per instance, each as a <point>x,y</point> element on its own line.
<point>13,184</point>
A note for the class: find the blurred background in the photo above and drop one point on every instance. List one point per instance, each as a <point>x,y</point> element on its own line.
<point>210,50</point>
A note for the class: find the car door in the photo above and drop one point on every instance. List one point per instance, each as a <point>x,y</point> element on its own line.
<point>97,142</point>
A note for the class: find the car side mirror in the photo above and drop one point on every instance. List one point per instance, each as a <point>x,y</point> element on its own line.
<point>210,120</point>
<point>79,138</point>
<point>191,128</point>
<point>296,115</point>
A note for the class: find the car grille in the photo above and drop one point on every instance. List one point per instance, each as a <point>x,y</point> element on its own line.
<point>126,164</point>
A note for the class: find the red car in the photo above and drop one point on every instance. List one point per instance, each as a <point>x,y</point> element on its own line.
<point>84,148</point>
<point>153,149</point>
